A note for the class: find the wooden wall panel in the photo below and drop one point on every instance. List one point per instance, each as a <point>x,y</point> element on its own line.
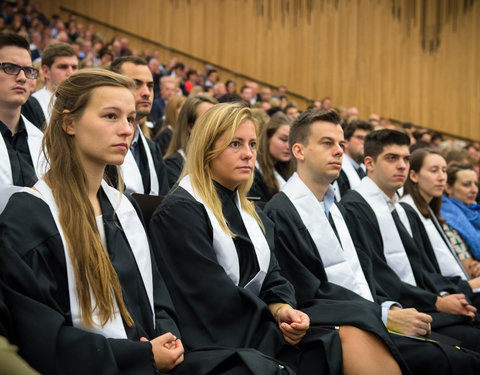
<point>415,61</point>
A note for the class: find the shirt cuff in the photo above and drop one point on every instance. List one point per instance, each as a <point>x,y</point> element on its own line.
<point>387,306</point>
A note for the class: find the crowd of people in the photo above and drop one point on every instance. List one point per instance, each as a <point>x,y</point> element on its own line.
<point>158,220</point>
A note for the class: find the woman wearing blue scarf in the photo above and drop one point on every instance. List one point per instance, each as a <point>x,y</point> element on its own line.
<point>459,209</point>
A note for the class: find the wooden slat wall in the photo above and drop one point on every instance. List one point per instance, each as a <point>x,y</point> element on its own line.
<point>415,61</point>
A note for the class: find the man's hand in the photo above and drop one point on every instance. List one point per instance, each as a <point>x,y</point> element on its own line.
<point>455,304</point>
<point>408,321</point>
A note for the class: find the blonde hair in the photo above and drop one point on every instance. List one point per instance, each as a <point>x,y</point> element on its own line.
<point>94,272</point>
<point>171,108</point>
<point>219,119</point>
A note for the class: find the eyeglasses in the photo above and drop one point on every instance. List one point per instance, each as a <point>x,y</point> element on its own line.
<point>359,137</point>
<point>14,69</point>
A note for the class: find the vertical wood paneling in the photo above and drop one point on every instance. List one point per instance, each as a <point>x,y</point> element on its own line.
<point>416,61</point>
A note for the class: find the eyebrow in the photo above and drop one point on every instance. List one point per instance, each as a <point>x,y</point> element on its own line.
<point>137,80</point>
<point>110,108</point>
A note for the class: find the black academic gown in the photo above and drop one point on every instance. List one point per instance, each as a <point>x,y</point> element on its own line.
<point>163,140</point>
<point>343,183</point>
<point>33,270</point>
<point>451,284</point>
<point>365,232</point>
<point>302,265</point>
<point>258,191</point>
<point>213,311</point>
<point>174,164</point>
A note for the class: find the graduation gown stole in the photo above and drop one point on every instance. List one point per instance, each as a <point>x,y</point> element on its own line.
<point>34,140</point>
<point>393,249</point>
<point>224,246</point>
<point>447,261</point>
<point>44,96</point>
<point>131,172</point>
<point>281,181</point>
<point>137,239</point>
<point>341,264</point>
<point>350,172</point>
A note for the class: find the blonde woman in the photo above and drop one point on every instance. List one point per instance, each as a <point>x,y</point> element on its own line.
<point>75,257</point>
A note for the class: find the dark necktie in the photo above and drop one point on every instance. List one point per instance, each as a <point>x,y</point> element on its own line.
<point>136,153</point>
<point>332,224</point>
<point>400,227</point>
<point>361,173</point>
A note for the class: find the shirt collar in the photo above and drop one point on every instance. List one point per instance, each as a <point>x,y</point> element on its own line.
<point>5,130</point>
<point>328,199</point>
<point>135,137</point>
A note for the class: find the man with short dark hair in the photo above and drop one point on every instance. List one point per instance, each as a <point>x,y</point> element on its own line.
<point>316,252</point>
<point>143,170</point>
<point>397,244</point>
<point>21,159</point>
<point>59,60</point>
<point>353,169</point>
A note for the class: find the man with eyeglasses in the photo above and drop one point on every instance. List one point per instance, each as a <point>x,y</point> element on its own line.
<point>59,60</point>
<point>353,169</point>
<point>20,145</point>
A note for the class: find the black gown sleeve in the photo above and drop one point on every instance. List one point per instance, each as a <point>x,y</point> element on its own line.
<point>33,271</point>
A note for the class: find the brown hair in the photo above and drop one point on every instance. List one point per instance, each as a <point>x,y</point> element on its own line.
<point>186,120</point>
<point>265,159</point>
<point>94,272</point>
<point>417,158</point>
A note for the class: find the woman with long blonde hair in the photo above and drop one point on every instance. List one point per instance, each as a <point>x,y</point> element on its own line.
<point>191,110</point>
<point>172,109</point>
<point>75,257</point>
<point>212,246</point>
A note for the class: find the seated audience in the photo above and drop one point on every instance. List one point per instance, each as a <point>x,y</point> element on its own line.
<point>193,108</point>
<point>423,192</point>
<point>459,207</point>
<point>316,253</point>
<point>208,220</point>
<point>274,163</point>
<point>396,242</point>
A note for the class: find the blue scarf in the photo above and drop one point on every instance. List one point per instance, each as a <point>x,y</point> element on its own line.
<point>466,220</point>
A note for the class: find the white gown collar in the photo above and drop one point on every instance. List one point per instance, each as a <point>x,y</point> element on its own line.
<point>131,173</point>
<point>225,248</point>
<point>137,239</point>
<point>339,259</point>
<point>34,140</point>
<point>393,249</point>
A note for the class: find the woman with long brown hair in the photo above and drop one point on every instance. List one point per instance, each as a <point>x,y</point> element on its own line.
<point>75,257</point>
<point>274,163</point>
<point>423,191</point>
